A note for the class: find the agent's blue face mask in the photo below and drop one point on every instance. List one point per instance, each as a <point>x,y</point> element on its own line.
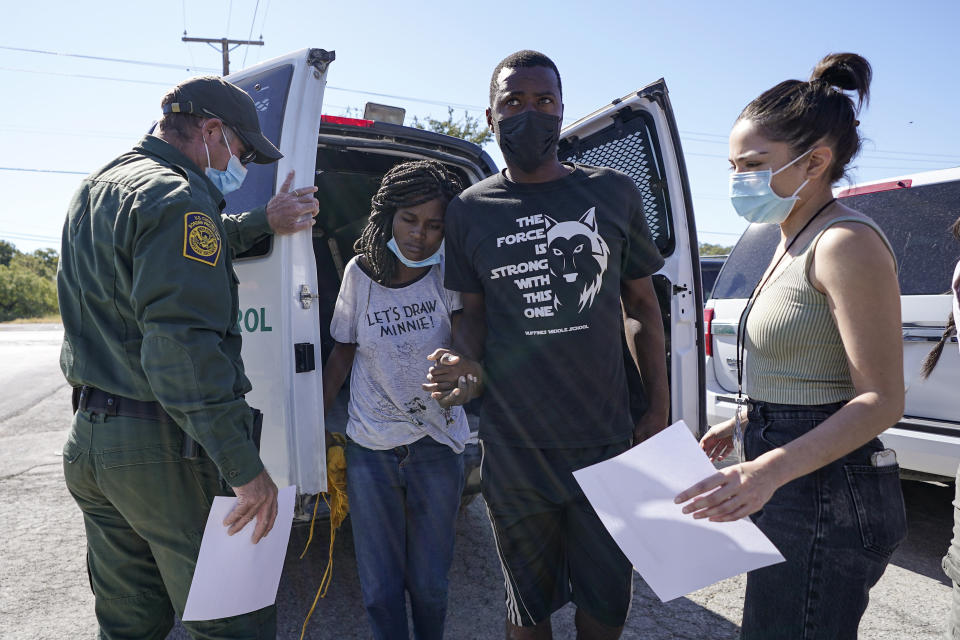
<point>436,258</point>
<point>230,180</point>
<point>754,198</point>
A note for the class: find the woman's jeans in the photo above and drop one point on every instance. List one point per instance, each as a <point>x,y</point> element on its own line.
<point>403,508</point>
<point>837,528</point>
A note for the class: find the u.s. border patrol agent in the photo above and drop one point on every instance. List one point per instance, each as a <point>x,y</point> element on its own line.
<point>151,345</point>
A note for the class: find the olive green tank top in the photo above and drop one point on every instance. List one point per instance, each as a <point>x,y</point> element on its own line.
<point>793,350</point>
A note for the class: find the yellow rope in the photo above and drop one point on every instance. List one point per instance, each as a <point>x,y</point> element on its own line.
<point>313,520</point>
<point>339,507</point>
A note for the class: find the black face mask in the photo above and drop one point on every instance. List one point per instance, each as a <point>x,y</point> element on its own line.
<point>528,139</point>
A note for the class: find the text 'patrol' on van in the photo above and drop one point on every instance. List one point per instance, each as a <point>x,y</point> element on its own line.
<point>289,284</point>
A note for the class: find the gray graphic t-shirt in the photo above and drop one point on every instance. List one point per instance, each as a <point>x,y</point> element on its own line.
<point>395,329</point>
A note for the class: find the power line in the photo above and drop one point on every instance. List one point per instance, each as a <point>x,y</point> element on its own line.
<point>263,20</point>
<point>720,138</point>
<point>121,60</point>
<point>253,20</point>
<point>455,105</point>
<point>224,47</point>
<point>76,173</point>
<point>30,237</point>
<point>76,75</point>
<point>908,156</point>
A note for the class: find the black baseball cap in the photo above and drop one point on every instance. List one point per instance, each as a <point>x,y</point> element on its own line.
<point>214,97</point>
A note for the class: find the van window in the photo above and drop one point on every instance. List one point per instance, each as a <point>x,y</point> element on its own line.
<point>269,92</point>
<point>747,262</point>
<point>916,221</point>
<point>630,145</point>
<point>917,224</point>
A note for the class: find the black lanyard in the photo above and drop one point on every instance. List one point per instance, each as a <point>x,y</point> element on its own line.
<point>742,327</point>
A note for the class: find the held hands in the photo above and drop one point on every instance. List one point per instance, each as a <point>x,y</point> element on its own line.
<point>731,493</point>
<point>453,380</point>
<point>256,499</point>
<point>292,209</point>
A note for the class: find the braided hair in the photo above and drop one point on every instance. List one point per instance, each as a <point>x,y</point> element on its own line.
<point>930,361</point>
<point>405,185</point>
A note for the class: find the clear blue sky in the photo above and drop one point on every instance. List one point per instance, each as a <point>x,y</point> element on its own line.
<point>68,113</point>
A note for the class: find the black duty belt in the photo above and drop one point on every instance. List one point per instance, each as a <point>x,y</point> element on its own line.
<point>97,401</point>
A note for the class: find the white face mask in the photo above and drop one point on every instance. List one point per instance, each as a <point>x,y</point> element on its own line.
<point>754,198</point>
<point>436,258</point>
<point>230,180</point>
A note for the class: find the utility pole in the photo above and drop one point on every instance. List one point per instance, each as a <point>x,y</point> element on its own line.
<point>224,47</point>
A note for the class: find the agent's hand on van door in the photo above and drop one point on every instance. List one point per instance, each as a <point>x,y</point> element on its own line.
<point>292,210</point>
<point>256,499</point>
<point>453,379</point>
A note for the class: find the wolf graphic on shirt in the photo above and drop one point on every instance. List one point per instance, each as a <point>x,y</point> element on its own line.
<point>577,256</point>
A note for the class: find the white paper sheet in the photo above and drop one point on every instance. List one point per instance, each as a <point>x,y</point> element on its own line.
<point>633,495</point>
<point>233,575</point>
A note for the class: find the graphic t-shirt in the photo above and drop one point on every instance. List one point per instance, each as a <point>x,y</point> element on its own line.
<point>395,329</point>
<point>549,259</point>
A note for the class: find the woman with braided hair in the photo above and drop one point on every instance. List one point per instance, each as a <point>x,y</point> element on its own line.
<point>404,462</point>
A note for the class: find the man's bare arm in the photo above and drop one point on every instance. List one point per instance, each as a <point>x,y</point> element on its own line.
<point>640,304</point>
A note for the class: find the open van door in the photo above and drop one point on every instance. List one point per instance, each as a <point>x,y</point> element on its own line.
<point>637,135</point>
<point>281,333</point>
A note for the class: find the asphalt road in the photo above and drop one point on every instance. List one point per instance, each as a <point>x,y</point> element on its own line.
<point>43,584</point>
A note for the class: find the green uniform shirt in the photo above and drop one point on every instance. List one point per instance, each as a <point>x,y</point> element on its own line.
<point>149,301</point>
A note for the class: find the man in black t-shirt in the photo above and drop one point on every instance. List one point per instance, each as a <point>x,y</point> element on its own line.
<point>543,254</point>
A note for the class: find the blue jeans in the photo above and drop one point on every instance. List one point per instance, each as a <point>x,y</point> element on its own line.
<point>837,528</point>
<point>403,509</point>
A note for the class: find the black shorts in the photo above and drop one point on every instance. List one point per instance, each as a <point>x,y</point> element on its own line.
<point>553,548</point>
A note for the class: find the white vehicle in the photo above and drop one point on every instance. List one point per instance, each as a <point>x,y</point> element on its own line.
<point>915,212</point>
<point>289,284</point>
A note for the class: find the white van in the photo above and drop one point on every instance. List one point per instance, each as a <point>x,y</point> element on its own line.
<point>289,284</point>
<point>915,212</point>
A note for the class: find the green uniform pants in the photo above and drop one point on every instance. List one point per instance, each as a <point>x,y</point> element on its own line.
<point>144,508</point>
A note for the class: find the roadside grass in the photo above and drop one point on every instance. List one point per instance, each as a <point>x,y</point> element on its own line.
<point>52,318</point>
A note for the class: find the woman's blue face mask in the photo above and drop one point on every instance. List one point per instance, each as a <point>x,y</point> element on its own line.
<point>754,198</point>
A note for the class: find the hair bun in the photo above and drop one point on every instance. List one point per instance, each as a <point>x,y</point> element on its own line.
<point>847,72</point>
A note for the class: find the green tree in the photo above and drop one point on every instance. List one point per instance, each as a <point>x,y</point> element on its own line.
<point>28,286</point>
<point>43,262</point>
<point>471,128</point>
<point>707,249</point>
<point>7,251</point>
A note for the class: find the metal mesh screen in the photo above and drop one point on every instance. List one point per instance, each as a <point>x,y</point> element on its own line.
<point>632,154</point>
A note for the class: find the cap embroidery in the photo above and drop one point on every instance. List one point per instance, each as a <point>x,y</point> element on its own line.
<point>201,240</point>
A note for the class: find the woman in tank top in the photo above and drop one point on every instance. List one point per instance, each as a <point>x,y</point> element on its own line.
<point>824,371</point>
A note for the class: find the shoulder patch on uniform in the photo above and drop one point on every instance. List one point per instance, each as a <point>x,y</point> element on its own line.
<point>201,240</point>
